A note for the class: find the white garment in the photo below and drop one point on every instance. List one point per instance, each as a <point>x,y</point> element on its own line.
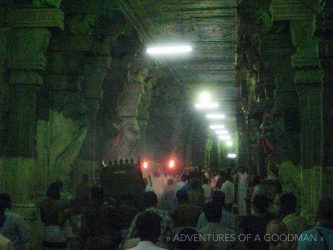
<point>146,245</point>
<point>207,192</point>
<point>242,191</point>
<point>228,189</point>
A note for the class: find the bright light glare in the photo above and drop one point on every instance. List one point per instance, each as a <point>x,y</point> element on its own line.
<point>215,116</point>
<point>224,137</point>
<point>167,50</point>
<point>216,126</point>
<point>207,105</point>
<point>145,165</point>
<point>171,164</point>
<point>205,97</point>
<point>221,132</point>
<point>232,156</point>
<point>229,143</point>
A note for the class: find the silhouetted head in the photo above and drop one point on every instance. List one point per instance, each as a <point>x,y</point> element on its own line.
<point>97,194</point>
<point>170,182</point>
<point>213,212</point>
<point>148,226</point>
<point>53,191</point>
<point>260,203</point>
<point>184,177</point>
<point>127,199</point>
<point>218,197</point>
<point>150,199</point>
<point>256,180</point>
<point>85,178</point>
<point>195,183</point>
<point>288,204</point>
<point>6,200</point>
<point>182,196</point>
<point>186,239</point>
<point>325,211</point>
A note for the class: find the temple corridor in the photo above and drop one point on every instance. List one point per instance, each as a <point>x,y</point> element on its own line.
<point>129,94</point>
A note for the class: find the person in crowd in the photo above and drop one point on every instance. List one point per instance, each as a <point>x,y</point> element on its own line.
<point>12,225</point>
<point>212,232</point>
<point>228,189</point>
<point>321,236</point>
<point>167,226</point>
<point>207,190</point>
<point>168,199</point>
<point>126,210</point>
<point>228,219</point>
<point>54,214</point>
<point>295,223</point>
<point>186,239</point>
<point>185,215</point>
<point>242,191</point>
<point>258,187</point>
<point>182,183</point>
<point>255,225</point>
<point>196,194</point>
<point>99,223</point>
<point>148,226</point>
<point>148,187</point>
<point>275,235</point>
<point>82,193</point>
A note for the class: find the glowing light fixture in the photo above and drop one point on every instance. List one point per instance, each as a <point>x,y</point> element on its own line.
<point>213,105</point>
<point>205,97</point>
<point>229,143</point>
<point>171,164</point>
<point>145,165</point>
<point>222,132</point>
<point>169,50</point>
<point>216,126</point>
<point>215,116</point>
<point>232,155</point>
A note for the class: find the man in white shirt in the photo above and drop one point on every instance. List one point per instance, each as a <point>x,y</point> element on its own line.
<point>228,188</point>
<point>148,227</point>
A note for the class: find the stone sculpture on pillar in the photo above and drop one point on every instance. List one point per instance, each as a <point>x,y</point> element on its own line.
<point>126,142</point>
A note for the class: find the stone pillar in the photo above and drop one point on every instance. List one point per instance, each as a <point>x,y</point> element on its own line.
<point>324,31</point>
<point>308,83</point>
<point>27,60</point>
<point>307,78</point>
<point>94,71</point>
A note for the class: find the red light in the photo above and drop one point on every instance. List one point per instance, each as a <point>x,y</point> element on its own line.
<point>171,164</point>
<point>145,165</point>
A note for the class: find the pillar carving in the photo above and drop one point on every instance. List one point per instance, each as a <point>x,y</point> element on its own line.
<point>307,78</point>
<point>125,144</point>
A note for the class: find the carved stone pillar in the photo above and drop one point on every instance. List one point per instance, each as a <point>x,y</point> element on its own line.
<point>308,83</point>
<point>27,60</point>
<point>324,31</point>
<point>125,145</point>
<point>277,50</point>
<point>94,70</point>
<point>307,78</point>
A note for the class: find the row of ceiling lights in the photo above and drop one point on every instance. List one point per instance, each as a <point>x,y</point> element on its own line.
<point>205,100</point>
<point>207,104</point>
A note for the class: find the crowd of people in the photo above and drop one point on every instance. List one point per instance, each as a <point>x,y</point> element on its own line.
<point>209,211</point>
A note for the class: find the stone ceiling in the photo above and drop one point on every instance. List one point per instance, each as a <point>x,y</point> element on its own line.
<point>209,25</point>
